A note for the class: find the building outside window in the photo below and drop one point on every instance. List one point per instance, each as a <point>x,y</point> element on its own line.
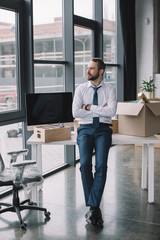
<point>8,62</point>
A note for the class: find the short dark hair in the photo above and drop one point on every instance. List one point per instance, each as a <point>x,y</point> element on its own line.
<point>101,64</point>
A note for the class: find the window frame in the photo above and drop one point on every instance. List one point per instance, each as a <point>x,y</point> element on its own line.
<point>18,115</point>
<point>26,58</point>
<point>62,62</point>
<point>96,26</point>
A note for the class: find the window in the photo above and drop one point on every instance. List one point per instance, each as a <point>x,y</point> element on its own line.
<point>110,76</point>
<point>82,52</point>
<point>48,41</point>
<point>110,41</point>
<point>109,32</point>
<point>48,46</point>
<point>49,67</point>
<point>52,64</point>
<point>12,87</point>
<point>49,78</point>
<point>8,62</point>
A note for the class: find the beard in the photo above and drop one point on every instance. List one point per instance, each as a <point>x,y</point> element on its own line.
<point>93,77</point>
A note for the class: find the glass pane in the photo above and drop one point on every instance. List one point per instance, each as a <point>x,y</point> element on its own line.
<point>109,32</point>
<point>53,157</point>
<point>83,52</point>
<point>110,76</point>
<point>10,140</point>
<point>83,8</point>
<point>47,19</point>
<point>49,78</point>
<point>8,62</point>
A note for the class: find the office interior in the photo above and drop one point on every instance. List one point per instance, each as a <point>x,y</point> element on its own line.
<point>45,47</point>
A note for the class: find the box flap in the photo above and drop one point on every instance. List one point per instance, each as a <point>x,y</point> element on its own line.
<point>131,109</point>
<point>154,107</point>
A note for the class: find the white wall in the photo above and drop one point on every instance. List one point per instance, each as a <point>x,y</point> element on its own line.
<point>144,40</point>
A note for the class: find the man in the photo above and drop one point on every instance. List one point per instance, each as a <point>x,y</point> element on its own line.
<point>94,104</point>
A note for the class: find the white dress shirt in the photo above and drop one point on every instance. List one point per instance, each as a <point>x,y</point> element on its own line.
<point>84,95</point>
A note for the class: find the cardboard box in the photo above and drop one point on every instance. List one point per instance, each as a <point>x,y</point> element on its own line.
<point>76,125</point>
<point>157,145</point>
<point>139,119</point>
<point>52,133</point>
<point>114,127</point>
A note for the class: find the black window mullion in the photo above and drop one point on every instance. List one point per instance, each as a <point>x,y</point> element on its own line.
<point>50,62</point>
<point>85,22</point>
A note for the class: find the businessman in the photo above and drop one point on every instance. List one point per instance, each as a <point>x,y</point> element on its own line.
<point>94,104</point>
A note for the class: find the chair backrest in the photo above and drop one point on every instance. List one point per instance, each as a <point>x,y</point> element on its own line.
<point>2,166</point>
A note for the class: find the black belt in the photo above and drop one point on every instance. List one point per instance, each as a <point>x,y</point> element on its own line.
<point>100,124</point>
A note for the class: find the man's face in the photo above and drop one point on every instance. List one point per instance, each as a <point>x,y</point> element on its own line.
<point>92,71</point>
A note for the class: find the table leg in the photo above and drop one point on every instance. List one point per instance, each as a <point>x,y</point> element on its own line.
<point>39,157</point>
<point>34,151</point>
<point>151,174</point>
<point>144,166</point>
<point>34,194</point>
<point>36,155</point>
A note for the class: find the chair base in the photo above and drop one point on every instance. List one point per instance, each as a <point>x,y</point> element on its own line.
<point>18,206</point>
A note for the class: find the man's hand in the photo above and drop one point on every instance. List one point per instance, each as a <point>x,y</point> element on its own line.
<point>86,107</point>
<point>105,105</point>
<point>83,106</point>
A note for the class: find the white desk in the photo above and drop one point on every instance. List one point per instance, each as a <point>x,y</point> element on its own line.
<point>147,155</point>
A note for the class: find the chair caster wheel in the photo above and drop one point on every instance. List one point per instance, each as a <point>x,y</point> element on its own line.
<point>47,219</point>
<point>47,214</point>
<point>23,226</point>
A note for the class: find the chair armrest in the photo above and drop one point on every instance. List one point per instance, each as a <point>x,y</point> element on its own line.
<point>15,154</point>
<point>23,163</point>
<point>23,152</point>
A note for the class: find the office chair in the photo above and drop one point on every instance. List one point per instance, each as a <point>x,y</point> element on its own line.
<point>18,176</point>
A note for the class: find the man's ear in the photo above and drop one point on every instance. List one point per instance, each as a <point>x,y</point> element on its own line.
<point>101,71</point>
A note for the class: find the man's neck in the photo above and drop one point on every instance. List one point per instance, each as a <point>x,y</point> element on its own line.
<point>96,82</point>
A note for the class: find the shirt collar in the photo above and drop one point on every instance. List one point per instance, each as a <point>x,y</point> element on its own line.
<point>91,85</point>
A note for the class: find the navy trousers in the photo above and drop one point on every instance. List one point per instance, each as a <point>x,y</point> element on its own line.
<point>89,139</point>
